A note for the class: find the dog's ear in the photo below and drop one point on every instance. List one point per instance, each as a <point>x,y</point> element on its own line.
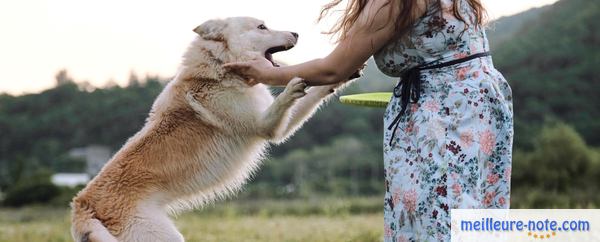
<point>212,29</point>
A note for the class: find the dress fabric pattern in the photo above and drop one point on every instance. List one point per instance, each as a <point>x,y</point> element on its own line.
<point>452,148</point>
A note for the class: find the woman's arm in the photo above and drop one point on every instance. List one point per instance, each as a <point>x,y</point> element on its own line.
<point>373,29</point>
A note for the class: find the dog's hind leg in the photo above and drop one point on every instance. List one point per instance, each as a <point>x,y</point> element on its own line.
<point>151,223</point>
<point>274,121</point>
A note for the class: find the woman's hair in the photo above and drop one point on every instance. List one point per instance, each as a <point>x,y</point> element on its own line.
<point>404,21</point>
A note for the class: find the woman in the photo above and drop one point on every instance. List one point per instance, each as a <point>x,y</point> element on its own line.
<point>448,136</point>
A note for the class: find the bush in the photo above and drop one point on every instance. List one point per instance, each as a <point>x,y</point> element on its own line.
<point>561,171</point>
<point>66,194</point>
<point>36,189</point>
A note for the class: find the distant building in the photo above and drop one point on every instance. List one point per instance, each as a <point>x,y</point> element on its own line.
<point>95,157</point>
<point>70,179</point>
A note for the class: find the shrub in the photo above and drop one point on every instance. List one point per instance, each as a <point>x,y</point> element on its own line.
<point>561,171</point>
<point>36,189</point>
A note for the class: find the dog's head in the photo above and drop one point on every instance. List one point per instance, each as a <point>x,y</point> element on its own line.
<point>246,37</point>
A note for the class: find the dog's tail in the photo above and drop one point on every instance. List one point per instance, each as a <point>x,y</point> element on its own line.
<point>85,227</point>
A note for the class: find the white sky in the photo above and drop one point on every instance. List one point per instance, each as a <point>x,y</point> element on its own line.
<point>101,40</point>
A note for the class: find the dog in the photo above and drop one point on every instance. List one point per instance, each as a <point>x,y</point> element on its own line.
<point>204,137</point>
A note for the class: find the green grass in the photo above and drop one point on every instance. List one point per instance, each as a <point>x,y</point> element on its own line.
<point>360,228</point>
<point>272,220</point>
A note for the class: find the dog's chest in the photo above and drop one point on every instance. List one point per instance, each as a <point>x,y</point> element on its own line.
<point>262,97</point>
<point>250,103</point>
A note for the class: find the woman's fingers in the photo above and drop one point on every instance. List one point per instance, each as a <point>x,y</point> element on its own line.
<point>251,71</point>
<point>236,66</point>
<point>241,68</point>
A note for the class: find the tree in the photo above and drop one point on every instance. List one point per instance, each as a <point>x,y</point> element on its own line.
<point>62,78</point>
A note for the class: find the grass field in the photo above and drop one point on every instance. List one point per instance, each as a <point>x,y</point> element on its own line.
<point>335,220</point>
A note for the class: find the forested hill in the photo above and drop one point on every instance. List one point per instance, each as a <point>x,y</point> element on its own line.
<point>503,29</point>
<point>551,57</point>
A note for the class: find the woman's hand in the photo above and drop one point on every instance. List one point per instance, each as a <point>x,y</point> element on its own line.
<point>254,71</point>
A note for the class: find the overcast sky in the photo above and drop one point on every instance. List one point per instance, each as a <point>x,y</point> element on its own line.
<point>102,40</point>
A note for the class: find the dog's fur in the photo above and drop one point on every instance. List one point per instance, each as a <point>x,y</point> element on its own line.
<point>205,135</point>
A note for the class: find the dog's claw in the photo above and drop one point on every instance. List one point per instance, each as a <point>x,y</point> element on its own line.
<point>295,88</point>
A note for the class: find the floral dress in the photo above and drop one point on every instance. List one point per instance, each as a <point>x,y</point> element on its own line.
<point>452,148</point>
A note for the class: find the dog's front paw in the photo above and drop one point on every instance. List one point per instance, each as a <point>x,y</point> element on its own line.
<point>295,89</point>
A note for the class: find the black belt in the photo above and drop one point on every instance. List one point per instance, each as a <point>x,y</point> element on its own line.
<point>409,86</point>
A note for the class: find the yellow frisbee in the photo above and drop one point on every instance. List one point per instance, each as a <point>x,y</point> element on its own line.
<point>373,99</point>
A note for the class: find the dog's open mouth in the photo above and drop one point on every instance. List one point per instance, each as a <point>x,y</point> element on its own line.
<point>269,53</point>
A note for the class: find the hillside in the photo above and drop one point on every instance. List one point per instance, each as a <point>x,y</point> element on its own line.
<point>504,29</point>
<point>551,62</point>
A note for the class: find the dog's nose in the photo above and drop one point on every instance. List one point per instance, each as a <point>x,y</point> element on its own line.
<point>295,34</point>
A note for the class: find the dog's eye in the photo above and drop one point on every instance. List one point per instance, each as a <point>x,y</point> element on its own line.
<point>262,26</point>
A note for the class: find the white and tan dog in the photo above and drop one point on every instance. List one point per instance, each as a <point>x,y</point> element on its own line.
<point>205,135</point>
